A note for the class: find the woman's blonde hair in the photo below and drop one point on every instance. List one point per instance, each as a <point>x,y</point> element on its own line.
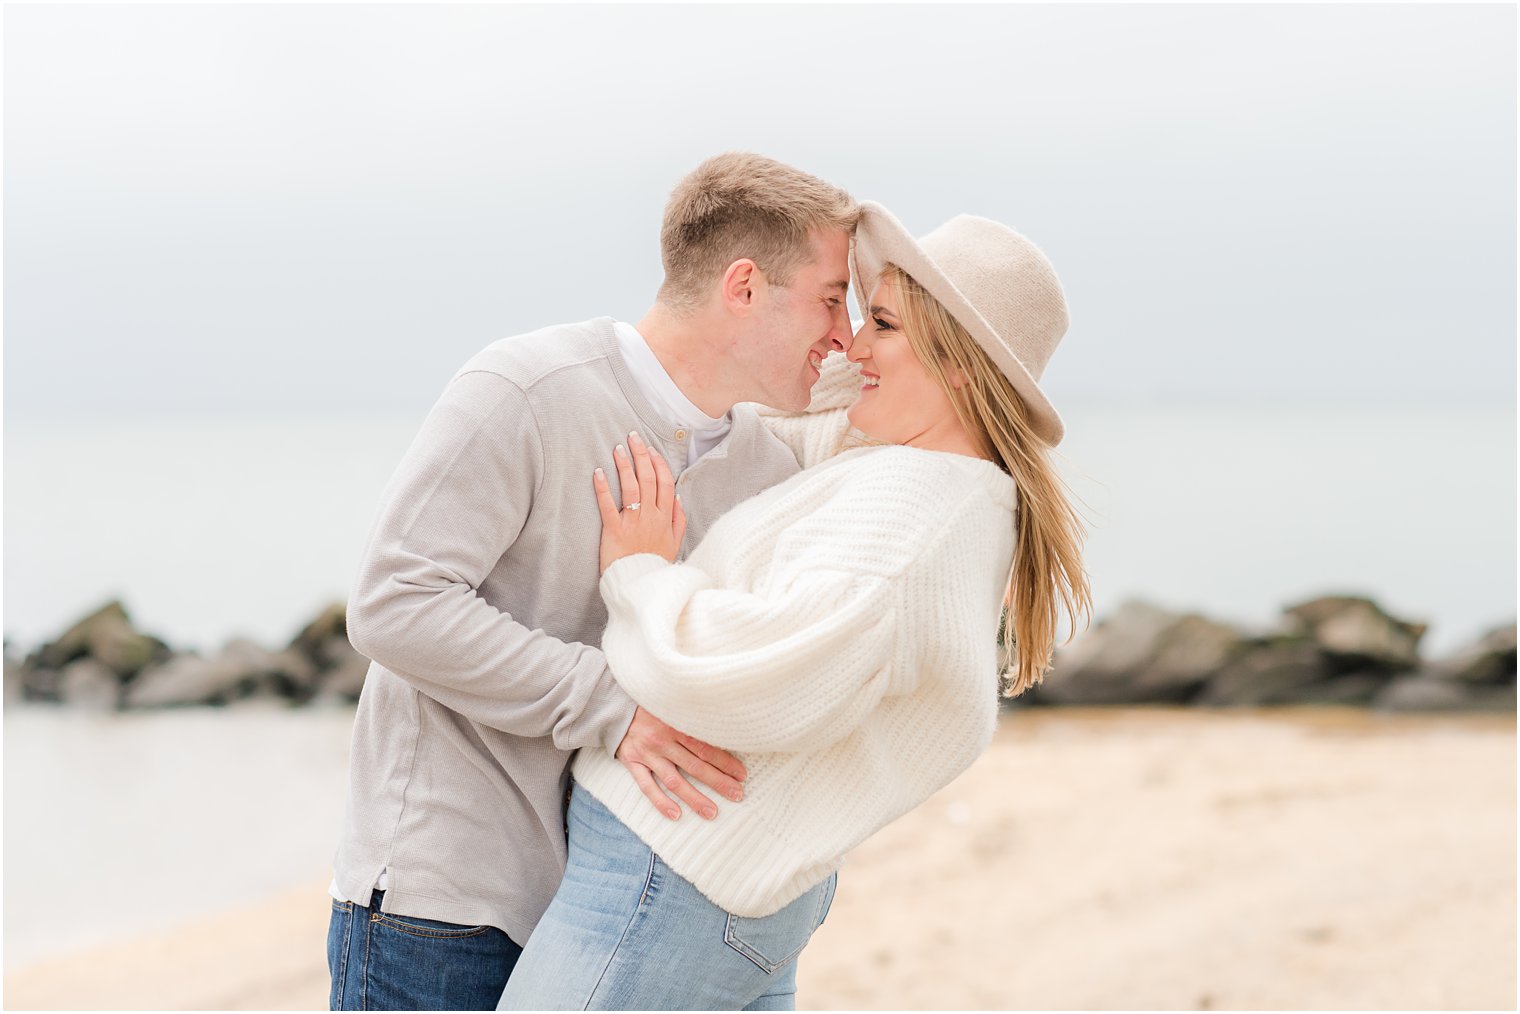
<point>1047,560</point>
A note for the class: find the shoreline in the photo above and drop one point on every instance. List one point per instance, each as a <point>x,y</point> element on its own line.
<point>1155,857</point>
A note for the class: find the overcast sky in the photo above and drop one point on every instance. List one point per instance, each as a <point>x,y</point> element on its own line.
<point>291,211</point>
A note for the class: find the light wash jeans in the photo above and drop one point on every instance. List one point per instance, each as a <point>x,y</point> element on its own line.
<point>626,933</point>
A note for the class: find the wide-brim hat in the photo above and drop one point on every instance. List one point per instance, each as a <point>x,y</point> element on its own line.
<point>995,283</point>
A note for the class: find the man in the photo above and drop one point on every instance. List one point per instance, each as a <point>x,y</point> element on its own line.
<point>477,595</point>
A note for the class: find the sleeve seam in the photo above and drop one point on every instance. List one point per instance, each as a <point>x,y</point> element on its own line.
<point>464,445</point>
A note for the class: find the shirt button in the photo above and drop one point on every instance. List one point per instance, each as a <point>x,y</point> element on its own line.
<point>680,434</point>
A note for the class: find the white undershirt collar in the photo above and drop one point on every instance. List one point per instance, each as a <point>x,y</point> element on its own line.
<point>702,431</point>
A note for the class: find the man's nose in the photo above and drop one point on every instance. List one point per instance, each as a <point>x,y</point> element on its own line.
<point>840,337</point>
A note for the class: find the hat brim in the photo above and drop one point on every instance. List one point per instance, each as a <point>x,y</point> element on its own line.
<point>880,239</point>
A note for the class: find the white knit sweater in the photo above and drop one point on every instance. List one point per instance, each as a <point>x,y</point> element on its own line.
<point>837,632</point>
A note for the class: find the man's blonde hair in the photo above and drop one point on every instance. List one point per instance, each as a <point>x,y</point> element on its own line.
<point>739,205</point>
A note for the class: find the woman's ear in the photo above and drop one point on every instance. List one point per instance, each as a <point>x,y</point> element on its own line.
<point>956,376</point>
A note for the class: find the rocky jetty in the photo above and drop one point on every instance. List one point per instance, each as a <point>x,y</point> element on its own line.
<point>1329,650</point>
<point>1338,649</point>
<point>104,663</point>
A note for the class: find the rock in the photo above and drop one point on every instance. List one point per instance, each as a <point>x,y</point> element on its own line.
<point>1141,654</point>
<point>1424,692</point>
<point>1275,672</point>
<point>183,679</point>
<point>1351,688</point>
<point>1358,632</point>
<point>241,670</point>
<point>1491,660</point>
<point>1188,653</point>
<point>15,681</point>
<point>90,684</point>
<point>253,671</point>
<point>107,636</point>
<point>331,624</point>
<point>340,669</point>
<point>344,681</point>
<point>39,684</point>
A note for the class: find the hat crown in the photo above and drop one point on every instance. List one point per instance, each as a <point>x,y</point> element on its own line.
<point>1007,281</point>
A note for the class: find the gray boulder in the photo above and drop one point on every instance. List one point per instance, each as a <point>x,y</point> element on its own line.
<point>106,635</point>
<point>39,684</point>
<point>241,670</point>
<point>15,680</point>
<point>344,681</point>
<point>1424,692</point>
<point>1355,631</point>
<point>254,671</point>
<point>1278,671</point>
<point>330,625</point>
<point>1357,688</point>
<point>1140,654</point>
<point>183,679</point>
<point>1488,662</point>
<point>88,683</point>
<point>340,669</point>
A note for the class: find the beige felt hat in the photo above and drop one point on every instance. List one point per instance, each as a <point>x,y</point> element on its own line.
<point>996,283</point>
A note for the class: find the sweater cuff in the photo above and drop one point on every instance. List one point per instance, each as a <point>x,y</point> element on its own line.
<point>617,730</point>
<point>625,572</point>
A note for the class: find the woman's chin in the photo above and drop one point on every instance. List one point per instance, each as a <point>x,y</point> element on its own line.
<point>861,421</point>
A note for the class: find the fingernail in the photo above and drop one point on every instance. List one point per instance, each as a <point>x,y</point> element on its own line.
<point>709,812</point>
<point>600,474</point>
<point>633,437</point>
<point>736,795</point>
<point>673,814</point>
<point>621,451</point>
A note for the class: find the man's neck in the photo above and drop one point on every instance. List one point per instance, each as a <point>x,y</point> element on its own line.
<point>684,347</point>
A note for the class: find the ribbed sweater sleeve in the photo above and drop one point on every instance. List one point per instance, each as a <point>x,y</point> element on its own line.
<point>750,671</point>
<point>454,507</point>
<point>795,648</point>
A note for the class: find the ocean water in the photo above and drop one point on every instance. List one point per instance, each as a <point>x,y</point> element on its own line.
<point>212,529</point>
<point>119,826</point>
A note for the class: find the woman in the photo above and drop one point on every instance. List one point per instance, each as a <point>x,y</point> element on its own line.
<point>838,632</point>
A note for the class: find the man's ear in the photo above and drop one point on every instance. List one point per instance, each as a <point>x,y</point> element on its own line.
<point>740,283</point>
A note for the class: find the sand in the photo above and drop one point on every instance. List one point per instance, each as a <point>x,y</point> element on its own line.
<point>1127,859</point>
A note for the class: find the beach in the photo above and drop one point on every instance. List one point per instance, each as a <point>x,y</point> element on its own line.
<point>1103,859</point>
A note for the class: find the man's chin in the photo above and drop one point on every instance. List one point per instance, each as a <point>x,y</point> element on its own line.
<point>793,401</point>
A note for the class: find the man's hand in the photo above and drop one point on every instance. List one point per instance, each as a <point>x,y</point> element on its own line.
<point>652,751</point>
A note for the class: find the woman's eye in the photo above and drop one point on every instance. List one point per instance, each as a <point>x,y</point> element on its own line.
<point>881,325</point>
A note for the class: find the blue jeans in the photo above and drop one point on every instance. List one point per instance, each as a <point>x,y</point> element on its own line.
<point>381,961</point>
<point>624,932</point>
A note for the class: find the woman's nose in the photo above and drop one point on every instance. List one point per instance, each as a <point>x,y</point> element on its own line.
<point>859,346</point>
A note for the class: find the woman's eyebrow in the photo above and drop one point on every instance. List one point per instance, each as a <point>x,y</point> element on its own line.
<point>882,311</point>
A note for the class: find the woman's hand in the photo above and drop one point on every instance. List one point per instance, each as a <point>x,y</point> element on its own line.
<point>652,519</point>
